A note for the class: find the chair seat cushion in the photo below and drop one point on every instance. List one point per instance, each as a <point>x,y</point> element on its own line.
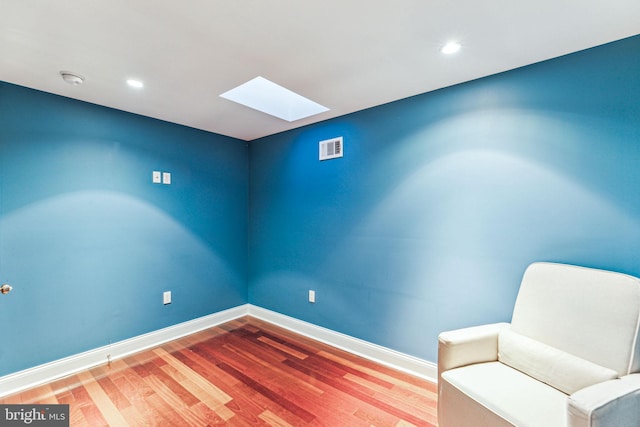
<point>518,398</point>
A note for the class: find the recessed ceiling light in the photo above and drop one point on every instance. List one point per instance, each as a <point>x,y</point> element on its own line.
<point>135,83</point>
<point>72,78</point>
<point>450,48</point>
<point>265,96</point>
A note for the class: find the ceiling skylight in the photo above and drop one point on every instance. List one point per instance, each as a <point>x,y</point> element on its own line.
<point>268,97</point>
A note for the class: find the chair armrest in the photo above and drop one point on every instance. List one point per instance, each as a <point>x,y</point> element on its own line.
<point>610,403</point>
<point>467,346</point>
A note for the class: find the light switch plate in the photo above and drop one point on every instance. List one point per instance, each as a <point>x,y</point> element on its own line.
<point>166,297</point>
<point>166,178</point>
<point>156,177</point>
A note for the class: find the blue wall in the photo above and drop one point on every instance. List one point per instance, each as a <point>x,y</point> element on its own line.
<point>443,199</point>
<point>89,243</point>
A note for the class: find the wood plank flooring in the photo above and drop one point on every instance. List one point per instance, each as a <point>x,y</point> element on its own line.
<point>242,373</point>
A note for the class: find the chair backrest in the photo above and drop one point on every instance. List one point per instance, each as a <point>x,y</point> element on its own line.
<point>592,314</point>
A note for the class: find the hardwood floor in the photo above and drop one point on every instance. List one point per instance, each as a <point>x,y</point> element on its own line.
<point>242,373</point>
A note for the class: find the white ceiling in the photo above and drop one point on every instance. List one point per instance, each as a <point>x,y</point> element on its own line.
<point>347,55</point>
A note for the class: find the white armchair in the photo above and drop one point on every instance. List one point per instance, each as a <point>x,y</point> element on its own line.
<point>569,357</point>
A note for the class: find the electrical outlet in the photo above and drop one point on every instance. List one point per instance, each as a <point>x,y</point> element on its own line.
<point>166,178</point>
<point>312,296</point>
<point>166,297</point>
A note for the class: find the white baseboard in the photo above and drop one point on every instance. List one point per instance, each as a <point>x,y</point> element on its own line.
<point>42,374</point>
<point>383,355</point>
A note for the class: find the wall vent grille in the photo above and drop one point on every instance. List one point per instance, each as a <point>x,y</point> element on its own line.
<point>331,148</point>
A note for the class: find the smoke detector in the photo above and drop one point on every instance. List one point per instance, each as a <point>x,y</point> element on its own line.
<point>72,78</point>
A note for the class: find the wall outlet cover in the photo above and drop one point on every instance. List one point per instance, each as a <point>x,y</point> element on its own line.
<point>166,177</point>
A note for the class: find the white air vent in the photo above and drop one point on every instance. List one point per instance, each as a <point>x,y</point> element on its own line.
<point>331,148</point>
